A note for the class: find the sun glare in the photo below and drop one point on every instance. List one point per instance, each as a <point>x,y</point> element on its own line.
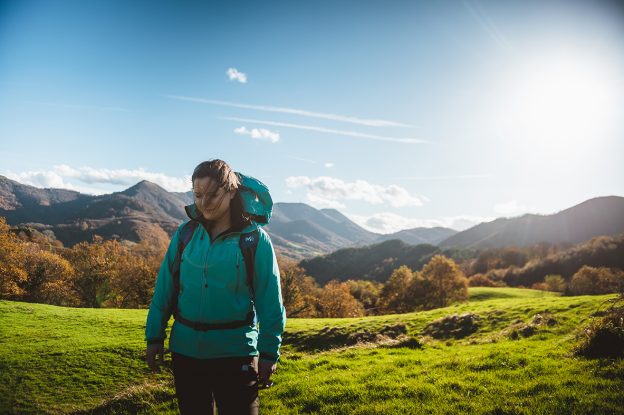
<point>559,104</point>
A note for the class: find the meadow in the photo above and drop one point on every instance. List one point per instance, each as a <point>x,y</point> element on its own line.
<point>505,351</point>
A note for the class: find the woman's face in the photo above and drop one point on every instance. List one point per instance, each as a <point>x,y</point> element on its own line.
<point>212,201</point>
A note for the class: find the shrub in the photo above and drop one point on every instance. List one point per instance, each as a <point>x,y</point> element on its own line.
<point>555,283</point>
<point>604,337</point>
<point>480,280</point>
<point>601,280</point>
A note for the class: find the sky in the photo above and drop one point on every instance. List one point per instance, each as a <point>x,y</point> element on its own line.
<point>399,114</point>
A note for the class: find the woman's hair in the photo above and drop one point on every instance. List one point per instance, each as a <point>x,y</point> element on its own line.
<point>225,178</point>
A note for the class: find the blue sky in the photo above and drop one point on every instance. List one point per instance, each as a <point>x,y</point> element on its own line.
<point>399,114</point>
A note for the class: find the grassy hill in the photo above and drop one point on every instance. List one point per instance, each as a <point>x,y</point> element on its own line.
<point>506,351</point>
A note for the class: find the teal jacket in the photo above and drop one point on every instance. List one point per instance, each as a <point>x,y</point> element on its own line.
<point>213,289</point>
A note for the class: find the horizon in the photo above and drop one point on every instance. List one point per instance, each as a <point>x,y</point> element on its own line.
<point>402,115</point>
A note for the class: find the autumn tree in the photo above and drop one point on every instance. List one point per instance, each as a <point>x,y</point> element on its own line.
<point>335,300</point>
<point>555,282</point>
<point>396,293</point>
<point>597,280</point>
<point>49,277</point>
<point>366,292</point>
<point>480,280</point>
<point>447,282</point>
<point>12,275</point>
<point>299,291</point>
<point>94,264</point>
<point>131,282</point>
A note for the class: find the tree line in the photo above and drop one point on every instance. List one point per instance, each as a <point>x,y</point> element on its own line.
<point>110,273</point>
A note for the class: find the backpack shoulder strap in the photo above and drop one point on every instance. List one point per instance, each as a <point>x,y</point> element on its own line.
<point>185,236</point>
<point>248,243</point>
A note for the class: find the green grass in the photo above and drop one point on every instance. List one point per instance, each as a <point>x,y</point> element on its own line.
<point>62,360</point>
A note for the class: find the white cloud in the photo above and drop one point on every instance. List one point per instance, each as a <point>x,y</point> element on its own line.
<point>386,222</point>
<point>235,75</point>
<point>329,165</point>
<point>259,133</point>
<point>511,208</point>
<point>320,202</point>
<point>294,111</point>
<point>332,189</point>
<point>89,180</point>
<point>405,140</point>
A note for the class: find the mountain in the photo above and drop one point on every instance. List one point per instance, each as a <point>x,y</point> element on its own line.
<point>145,211</point>
<point>594,217</point>
<point>299,230</point>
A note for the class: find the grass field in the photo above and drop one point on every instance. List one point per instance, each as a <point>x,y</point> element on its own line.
<point>509,352</point>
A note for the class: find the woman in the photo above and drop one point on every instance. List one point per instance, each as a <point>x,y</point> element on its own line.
<point>218,353</point>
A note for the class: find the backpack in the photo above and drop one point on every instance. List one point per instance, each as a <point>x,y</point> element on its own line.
<point>257,203</point>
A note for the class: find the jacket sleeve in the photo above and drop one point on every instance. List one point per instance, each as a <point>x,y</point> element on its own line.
<point>269,306</point>
<point>159,311</point>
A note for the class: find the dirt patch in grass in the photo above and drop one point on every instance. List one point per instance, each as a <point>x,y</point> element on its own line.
<point>456,326</point>
<point>337,337</point>
<point>520,329</point>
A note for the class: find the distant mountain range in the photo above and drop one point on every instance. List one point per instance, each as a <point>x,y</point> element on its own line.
<point>594,217</point>
<point>147,212</point>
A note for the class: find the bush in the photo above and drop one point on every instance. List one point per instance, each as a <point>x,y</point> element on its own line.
<point>604,337</point>
<point>601,280</point>
<point>480,280</point>
<point>555,283</point>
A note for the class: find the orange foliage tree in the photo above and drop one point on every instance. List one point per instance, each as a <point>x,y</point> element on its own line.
<point>335,300</point>
<point>49,277</point>
<point>396,294</point>
<point>447,282</point>
<point>12,275</point>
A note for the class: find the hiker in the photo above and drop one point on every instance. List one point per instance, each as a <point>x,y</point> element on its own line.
<point>218,279</point>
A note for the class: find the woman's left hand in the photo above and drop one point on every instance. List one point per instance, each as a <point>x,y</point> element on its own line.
<point>265,369</point>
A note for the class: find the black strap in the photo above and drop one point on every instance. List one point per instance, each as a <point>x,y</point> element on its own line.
<point>217,326</point>
<point>248,243</point>
<point>185,236</point>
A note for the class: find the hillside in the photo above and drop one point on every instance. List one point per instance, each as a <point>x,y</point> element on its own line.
<point>372,262</point>
<point>394,364</point>
<point>594,217</point>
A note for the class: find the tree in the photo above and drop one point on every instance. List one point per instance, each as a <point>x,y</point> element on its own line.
<point>12,275</point>
<point>446,280</point>
<point>132,282</point>
<point>366,292</point>
<point>395,294</point>
<point>480,280</point>
<point>336,300</point>
<point>298,290</point>
<point>555,282</point>
<point>600,280</point>
<point>49,277</point>
<point>94,264</point>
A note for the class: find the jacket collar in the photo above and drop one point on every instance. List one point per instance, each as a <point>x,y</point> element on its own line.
<point>194,214</point>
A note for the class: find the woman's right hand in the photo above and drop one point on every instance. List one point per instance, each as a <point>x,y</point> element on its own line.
<point>152,351</point>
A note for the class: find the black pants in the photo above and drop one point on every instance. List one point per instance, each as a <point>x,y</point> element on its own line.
<point>232,382</point>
